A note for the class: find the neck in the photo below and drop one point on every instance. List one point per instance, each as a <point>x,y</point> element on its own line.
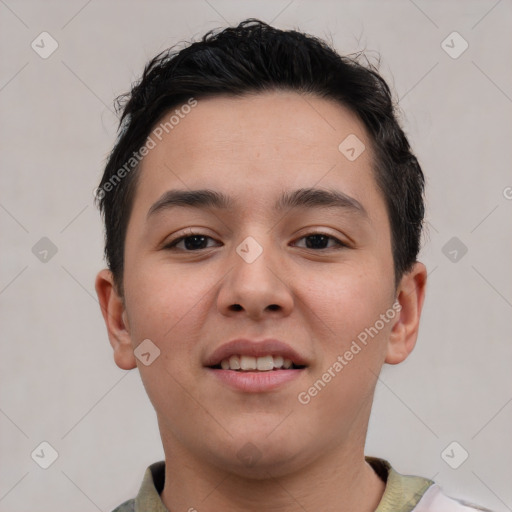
<point>341,481</point>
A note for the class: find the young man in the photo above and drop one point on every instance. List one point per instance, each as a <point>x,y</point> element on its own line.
<point>263,215</point>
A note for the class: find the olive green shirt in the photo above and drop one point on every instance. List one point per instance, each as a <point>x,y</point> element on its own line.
<point>403,493</point>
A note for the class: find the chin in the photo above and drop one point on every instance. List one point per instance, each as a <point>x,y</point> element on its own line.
<point>261,457</point>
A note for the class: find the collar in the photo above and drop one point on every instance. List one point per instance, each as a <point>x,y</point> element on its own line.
<point>402,492</point>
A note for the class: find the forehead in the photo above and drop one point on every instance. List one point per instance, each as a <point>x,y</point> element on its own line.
<point>256,146</point>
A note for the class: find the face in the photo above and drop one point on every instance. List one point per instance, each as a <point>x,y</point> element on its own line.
<point>282,260</point>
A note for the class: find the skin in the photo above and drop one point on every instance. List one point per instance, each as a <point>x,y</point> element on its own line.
<point>317,300</point>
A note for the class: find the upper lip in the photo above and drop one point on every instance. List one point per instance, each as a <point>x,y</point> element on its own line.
<point>246,347</point>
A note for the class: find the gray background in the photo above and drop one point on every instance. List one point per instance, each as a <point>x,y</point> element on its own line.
<point>59,381</point>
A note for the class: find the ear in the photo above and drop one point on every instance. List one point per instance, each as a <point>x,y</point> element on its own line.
<point>410,296</point>
<point>114,314</point>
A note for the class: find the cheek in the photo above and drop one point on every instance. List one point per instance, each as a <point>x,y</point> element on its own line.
<point>163,301</point>
<point>346,302</point>
<point>350,339</point>
<point>168,308</point>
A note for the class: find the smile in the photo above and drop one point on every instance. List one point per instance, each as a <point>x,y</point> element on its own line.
<point>243,363</point>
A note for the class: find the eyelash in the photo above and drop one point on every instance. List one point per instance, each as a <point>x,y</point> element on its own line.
<point>173,243</point>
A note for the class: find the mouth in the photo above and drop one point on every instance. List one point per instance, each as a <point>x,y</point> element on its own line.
<point>267,363</point>
<point>255,366</point>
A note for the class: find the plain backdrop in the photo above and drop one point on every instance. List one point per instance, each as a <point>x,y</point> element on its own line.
<point>59,383</point>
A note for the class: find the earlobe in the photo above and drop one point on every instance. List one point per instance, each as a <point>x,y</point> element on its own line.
<point>116,320</point>
<point>410,295</point>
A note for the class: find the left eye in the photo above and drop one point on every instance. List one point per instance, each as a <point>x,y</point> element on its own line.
<point>319,241</point>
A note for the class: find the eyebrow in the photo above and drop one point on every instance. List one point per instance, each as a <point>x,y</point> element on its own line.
<point>300,198</point>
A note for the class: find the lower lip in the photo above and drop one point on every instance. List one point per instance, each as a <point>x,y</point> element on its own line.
<point>255,382</point>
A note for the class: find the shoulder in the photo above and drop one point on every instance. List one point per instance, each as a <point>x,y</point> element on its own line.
<point>148,497</point>
<point>434,499</point>
<point>411,493</point>
<point>127,506</point>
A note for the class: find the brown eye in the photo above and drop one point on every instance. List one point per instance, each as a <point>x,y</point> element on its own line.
<point>321,240</point>
<point>190,243</point>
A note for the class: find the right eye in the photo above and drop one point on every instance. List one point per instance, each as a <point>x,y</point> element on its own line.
<point>189,243</point>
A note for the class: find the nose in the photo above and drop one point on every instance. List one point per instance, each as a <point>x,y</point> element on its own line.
<point>255,287</point>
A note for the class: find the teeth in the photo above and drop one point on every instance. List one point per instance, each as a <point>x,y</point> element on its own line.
<point>262,364</point>
<point>265,363</point>
<point>248,363</point>
<point>234,363</point>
